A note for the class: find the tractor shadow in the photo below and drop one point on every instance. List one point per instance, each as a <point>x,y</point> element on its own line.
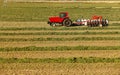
<point>75,25</point>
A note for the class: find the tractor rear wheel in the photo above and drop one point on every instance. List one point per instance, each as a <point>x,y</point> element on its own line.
<point>67,22</point>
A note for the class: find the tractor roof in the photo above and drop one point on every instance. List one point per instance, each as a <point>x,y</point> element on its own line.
<point>64,12</point>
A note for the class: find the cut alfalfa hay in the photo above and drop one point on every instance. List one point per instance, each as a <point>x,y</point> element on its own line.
<point>61,60</point>
<point>60,48</point>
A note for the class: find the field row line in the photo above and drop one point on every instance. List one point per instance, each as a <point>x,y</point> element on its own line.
<point>65,1</point>
<point>58,36</point>
<point>60,48</point>
<point>61,54</point>
<point>59,39</point>
<point>39,24</point>
<point>60,43</point>
<point>61,60</point>
<point>61,33</point>
<point>59,28</point>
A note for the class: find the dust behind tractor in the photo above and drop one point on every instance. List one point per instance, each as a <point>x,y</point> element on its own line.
<point>64,20</point>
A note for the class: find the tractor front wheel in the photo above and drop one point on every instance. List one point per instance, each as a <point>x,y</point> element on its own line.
<point>53,24</point>
<point>67,22</point>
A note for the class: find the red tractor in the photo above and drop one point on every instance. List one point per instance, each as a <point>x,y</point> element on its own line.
<point>63,19</point>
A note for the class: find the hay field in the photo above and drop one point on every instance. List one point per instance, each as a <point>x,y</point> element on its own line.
<point>31,47</point>
<point>55,55</point>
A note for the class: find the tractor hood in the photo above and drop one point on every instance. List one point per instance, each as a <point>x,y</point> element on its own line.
<point>54,19</point>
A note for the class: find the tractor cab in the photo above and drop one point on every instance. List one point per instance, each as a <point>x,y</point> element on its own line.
<point>63,15</point>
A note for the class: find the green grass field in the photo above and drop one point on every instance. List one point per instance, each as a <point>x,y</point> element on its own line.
<point>41,11</point>
<point>29,46</point>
